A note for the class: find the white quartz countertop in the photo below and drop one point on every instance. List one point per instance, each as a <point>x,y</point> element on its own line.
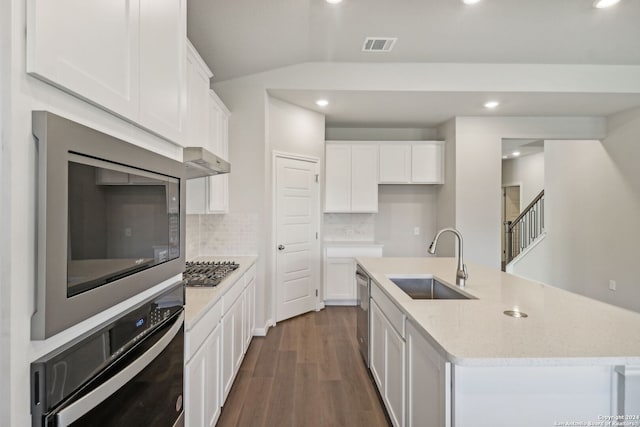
<point>199,300</point>
<point>563,328</point>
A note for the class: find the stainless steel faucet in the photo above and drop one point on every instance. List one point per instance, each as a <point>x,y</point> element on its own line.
<point>462,274</point>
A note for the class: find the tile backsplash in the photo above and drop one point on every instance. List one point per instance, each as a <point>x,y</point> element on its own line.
<point>222,235</point>
<point>349,227</point>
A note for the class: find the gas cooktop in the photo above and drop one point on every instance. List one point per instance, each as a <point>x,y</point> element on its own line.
<point>207,273</point>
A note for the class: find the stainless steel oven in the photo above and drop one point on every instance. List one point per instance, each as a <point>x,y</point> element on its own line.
<point>128,373</point>
<point>362,329</point>
<point>110,222</point>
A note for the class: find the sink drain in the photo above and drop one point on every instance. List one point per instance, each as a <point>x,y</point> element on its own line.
<point>516,313</point>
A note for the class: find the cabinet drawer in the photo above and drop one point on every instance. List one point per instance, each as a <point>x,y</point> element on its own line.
<point>393,314</point>
<point>196,336</point>
<point>353,252</point>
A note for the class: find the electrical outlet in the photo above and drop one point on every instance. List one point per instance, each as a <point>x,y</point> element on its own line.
<point>612,285</point>
<point>416,231</point>
<point>127,232</point>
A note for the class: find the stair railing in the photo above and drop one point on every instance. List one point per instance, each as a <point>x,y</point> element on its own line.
<point>523,230</point>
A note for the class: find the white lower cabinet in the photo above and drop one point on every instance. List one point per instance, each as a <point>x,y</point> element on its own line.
<point>214,350</point>
<point>249,304</point>
<point>387,363</point>
<point>340,270</point>
<point>428,383</point>
<point>231,335</point>
<point>203,392</point>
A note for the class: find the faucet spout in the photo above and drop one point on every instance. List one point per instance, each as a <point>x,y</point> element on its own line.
<point>462,274</point>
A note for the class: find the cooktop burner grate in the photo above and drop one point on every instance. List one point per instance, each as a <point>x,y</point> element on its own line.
<point>207,273</point>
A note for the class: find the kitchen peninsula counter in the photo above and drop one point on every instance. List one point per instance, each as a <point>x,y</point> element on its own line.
<point>200,299</point>
<point>562,328</point>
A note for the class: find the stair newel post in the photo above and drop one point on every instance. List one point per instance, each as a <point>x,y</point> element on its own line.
<point>508,240</point>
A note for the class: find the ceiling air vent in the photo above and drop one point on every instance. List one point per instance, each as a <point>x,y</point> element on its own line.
<point>379,44</point>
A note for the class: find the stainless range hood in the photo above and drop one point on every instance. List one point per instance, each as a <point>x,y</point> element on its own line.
<point>201,162</point>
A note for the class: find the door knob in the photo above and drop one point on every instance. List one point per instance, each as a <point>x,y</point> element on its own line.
<point>280,247</point>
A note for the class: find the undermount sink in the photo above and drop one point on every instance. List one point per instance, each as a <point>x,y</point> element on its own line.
<point>427,288</point>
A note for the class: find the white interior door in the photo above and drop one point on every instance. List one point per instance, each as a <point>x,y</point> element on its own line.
<point>297,245</point>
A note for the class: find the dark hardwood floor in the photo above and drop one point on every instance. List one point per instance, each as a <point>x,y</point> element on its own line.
<point>307,371</point>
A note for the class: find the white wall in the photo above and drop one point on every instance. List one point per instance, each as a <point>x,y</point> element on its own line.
<point>5,217</point>
<point>446,201</point>
<point>478,172</point>
<point>379,134</point>
<point>593,206</point>
<point>400,209</point>
<point>528,173</point>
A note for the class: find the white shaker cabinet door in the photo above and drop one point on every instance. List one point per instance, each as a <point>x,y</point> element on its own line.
<point>339,280</point>
<point>395,163</point>
<point>428,383</point>
<point>197,120</point>
<point>427,161</point>
<point>163,42</point>
<point>364,178</point>
<point>202,384</point>
<point>338,178</point>
<point>88,48</point>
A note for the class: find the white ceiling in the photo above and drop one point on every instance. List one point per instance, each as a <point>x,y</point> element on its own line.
<point>241,37</point>
<point>525,147</point>
<point>428,109</point>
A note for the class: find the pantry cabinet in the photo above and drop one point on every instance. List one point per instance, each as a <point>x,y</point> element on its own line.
<point>351,177</point>
<point>125,56</point>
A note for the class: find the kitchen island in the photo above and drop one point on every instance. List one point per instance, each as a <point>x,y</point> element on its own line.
<point>572,360</point>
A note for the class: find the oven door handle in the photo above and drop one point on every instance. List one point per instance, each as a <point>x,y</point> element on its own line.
<point>86,403</point>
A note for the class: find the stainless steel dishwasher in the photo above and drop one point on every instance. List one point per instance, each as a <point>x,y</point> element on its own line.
<point>362,329</point>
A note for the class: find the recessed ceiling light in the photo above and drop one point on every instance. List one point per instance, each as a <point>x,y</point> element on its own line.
<point>505,157</point>
<point>470,1</point>
<point>322,102</point>
<point>333,1</point>
<point>601,4</point>
<point>491,104</point>
<point>515,153</point>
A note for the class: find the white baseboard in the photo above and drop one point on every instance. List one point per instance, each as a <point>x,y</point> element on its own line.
<point>341,302</point>
<point>320,306</point>
<point>262,332</point>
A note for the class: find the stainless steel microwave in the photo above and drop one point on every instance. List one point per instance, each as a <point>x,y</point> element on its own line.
<point>110,222</point>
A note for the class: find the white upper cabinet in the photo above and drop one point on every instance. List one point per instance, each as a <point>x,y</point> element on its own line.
<point>395,163</point>
<point>207,126</point>
<point>163,38</point>
<point>88,48</point>
<point>351,177</point>
<point>337,178</point>
<point>125,56</point>
<point>415,162</point>
<point>218,126</point>
<point>427,163</point>
<point>198,76</point>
